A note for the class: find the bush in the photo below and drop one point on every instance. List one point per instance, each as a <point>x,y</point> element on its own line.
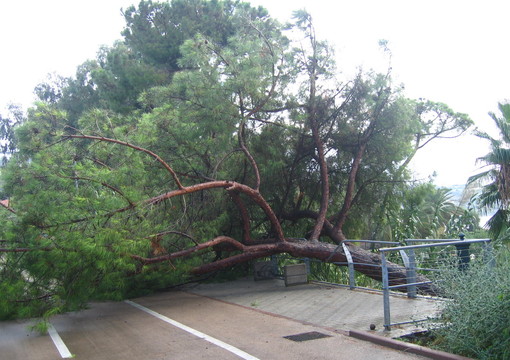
<point>476,322</point>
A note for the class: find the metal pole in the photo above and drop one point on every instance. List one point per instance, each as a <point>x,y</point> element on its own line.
<point>463,253</point>
<point>350,265</point>
<point>411,274</point>
<point>386,292</point>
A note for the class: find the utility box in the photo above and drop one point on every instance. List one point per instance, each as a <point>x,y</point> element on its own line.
<point>295,274</point>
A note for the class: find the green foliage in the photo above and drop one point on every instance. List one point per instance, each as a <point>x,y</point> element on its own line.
<point>428,212</point>
<point>202,91</point>
<point>476,320</point>
<point>495,195</point>
<point>156,30</point>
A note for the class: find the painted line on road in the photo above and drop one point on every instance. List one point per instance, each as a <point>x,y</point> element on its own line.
<point>232,349</point>
<point>59,343</point>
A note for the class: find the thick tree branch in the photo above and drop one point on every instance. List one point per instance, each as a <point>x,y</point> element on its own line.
<point>364,261</point>
<point>229,186</point>
<point>189,251</point>
<point>245,217</point>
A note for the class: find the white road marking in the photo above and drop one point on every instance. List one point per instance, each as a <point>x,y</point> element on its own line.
<point>59,343</point>
<point>232,349</point>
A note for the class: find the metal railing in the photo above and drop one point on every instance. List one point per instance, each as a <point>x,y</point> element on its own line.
<point>350,263</point>
<point>413,257</point>
<point>408,255</point>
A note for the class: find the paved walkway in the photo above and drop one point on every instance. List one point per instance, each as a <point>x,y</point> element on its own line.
<point>324,305</point>
<point>181,325</point>
<point>239,319</point>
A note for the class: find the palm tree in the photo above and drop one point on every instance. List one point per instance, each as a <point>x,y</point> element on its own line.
<point>496,193</point>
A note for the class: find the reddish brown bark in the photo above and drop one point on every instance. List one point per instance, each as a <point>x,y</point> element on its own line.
<point>364,261</point>
<point>5,205</point>
<point>245,217</point>
<point>230,186</point>
<point>349,191</point>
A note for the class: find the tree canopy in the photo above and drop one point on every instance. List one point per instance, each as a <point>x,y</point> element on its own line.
<point>495,195</point>
<point>210,136</point>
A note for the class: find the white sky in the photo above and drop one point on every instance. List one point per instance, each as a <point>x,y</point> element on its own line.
<point>451,51</point>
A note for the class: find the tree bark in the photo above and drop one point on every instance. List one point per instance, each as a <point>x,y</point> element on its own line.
<point>365,262</point>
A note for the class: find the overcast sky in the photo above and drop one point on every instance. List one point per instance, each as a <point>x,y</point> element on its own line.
<point>451,51</point>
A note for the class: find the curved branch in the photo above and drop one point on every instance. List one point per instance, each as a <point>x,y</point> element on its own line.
<point>224,158</point>
<point>189,251</point>
<point>274,80</point>
<point>259,200</point>
<point>229,186</point>
<point>245,217</point>
<point>138,148</point>
<point>244,148</point>
<point>174,233</point>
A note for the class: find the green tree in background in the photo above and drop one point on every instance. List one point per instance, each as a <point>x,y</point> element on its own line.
<point>208,138</point>
<point>428,212</point>
<point>495,194</point>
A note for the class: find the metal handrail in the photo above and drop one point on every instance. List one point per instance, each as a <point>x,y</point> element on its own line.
<point>456,242</point>
<point>410,264</point>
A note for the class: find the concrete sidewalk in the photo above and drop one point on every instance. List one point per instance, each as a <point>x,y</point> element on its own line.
<point>324,305</point>
<point>335,308</point>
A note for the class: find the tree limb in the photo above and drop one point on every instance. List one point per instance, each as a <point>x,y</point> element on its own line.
<point>123,143</point>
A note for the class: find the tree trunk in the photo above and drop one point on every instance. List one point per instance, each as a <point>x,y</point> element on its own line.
<point>364,261</point>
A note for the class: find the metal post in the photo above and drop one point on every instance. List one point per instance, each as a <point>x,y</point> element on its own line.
<point>386,292</point>
<point>411,274</point>
<point>463,253</point>
<point>350,265</point>
<point>410,264</point>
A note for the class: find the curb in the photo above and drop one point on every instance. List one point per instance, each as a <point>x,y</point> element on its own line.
<point>405,347</point>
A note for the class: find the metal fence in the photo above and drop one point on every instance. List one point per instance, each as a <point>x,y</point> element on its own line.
<point>421,258</point>
<point>426,260</point>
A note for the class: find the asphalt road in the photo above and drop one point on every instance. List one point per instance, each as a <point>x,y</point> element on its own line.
<point>181,325</point>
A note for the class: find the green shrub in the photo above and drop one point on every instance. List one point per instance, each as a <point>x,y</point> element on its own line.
<point>476,321</point>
